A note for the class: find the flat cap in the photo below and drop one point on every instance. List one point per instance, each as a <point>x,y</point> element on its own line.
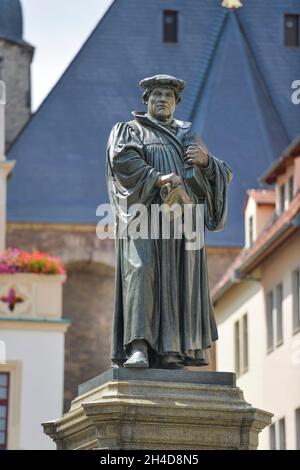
<point>163,80</point>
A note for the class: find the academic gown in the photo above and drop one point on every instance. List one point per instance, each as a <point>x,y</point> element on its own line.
<point>161,289</point>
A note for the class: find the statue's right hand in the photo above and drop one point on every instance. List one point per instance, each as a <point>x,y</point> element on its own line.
<point>172,178</point>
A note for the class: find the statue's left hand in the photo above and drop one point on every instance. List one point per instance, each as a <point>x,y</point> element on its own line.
<point>196,154</point>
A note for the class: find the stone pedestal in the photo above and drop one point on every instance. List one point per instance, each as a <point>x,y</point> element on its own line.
<point>159,409</point>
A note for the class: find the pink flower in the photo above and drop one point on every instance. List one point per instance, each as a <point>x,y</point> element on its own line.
<point>14,260</point>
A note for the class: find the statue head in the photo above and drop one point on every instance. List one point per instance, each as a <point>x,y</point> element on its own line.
<point>161,95</point>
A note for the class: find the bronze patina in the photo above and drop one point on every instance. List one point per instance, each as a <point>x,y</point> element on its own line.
<point>163,316</point>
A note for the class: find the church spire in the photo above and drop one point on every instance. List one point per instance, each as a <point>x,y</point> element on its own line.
<point>11,20</point>
<point>15,61</point>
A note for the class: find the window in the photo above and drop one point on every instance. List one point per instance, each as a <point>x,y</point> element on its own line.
<point>4,390</point>
<point>270,328</point>
<point>277,435</point>
<point>296,299</point>
<point>274,317</point>
<point>1,66</point>
<point>279,320</point>
<point>28,99</point>
<point>281,198</point>
<point>297,419</point>
<point>237,346</point>
<point>170,26</point>
<point>272,437</point>
<point>245,343</point>
<point>291,30</point>
<point>281,426</point>
<point>241,345</point>
<point>291,188</point>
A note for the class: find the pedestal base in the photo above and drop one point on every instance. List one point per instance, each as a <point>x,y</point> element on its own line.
<point>159,409</point>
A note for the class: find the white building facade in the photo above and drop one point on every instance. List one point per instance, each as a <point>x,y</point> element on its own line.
<point>32,336</point>
<point>257,305</point>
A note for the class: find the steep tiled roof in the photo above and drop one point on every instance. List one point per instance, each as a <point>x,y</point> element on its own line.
<point>263,24</point>
<point>232,97</point>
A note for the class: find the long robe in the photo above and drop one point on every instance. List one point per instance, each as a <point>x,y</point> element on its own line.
<point>161,289</point>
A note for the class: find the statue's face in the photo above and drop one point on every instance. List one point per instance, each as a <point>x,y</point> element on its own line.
<point>162,103</point>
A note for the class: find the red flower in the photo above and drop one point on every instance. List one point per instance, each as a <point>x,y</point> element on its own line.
<point>14,260</point>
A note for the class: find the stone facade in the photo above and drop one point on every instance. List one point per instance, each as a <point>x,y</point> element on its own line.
<point>15,61</point>
<point>88,303</point>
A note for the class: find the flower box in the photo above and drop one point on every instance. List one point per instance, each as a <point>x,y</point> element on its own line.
<point>31,295</point>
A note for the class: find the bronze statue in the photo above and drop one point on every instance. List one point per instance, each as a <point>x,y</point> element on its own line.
<point>163,315</point>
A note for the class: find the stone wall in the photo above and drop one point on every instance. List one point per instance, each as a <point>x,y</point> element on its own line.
<point>218,260</point>
<point>88,303</point>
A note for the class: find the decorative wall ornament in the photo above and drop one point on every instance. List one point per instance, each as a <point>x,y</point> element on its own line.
<point>15,299</point>
<point>11,299</point>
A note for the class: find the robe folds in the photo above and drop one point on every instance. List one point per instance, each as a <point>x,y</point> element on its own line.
<point>161,289</point>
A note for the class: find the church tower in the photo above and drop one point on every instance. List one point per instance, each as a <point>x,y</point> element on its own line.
<point>15,61</point>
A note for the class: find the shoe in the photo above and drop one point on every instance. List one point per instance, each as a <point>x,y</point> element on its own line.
<point>137,360</point>
<point>114,365</point>
<point>165,362</point>
<point>172,366</point>
<point>196,362</point>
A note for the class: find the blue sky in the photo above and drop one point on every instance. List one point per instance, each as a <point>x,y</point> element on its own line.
<point>57,29</point>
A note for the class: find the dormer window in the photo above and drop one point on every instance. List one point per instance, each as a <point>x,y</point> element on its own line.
<point>259,210</point>
<point>170,26</point>
<point>291,30</point>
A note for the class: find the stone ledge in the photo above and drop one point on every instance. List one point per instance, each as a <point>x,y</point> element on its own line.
<point>159,375</point>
